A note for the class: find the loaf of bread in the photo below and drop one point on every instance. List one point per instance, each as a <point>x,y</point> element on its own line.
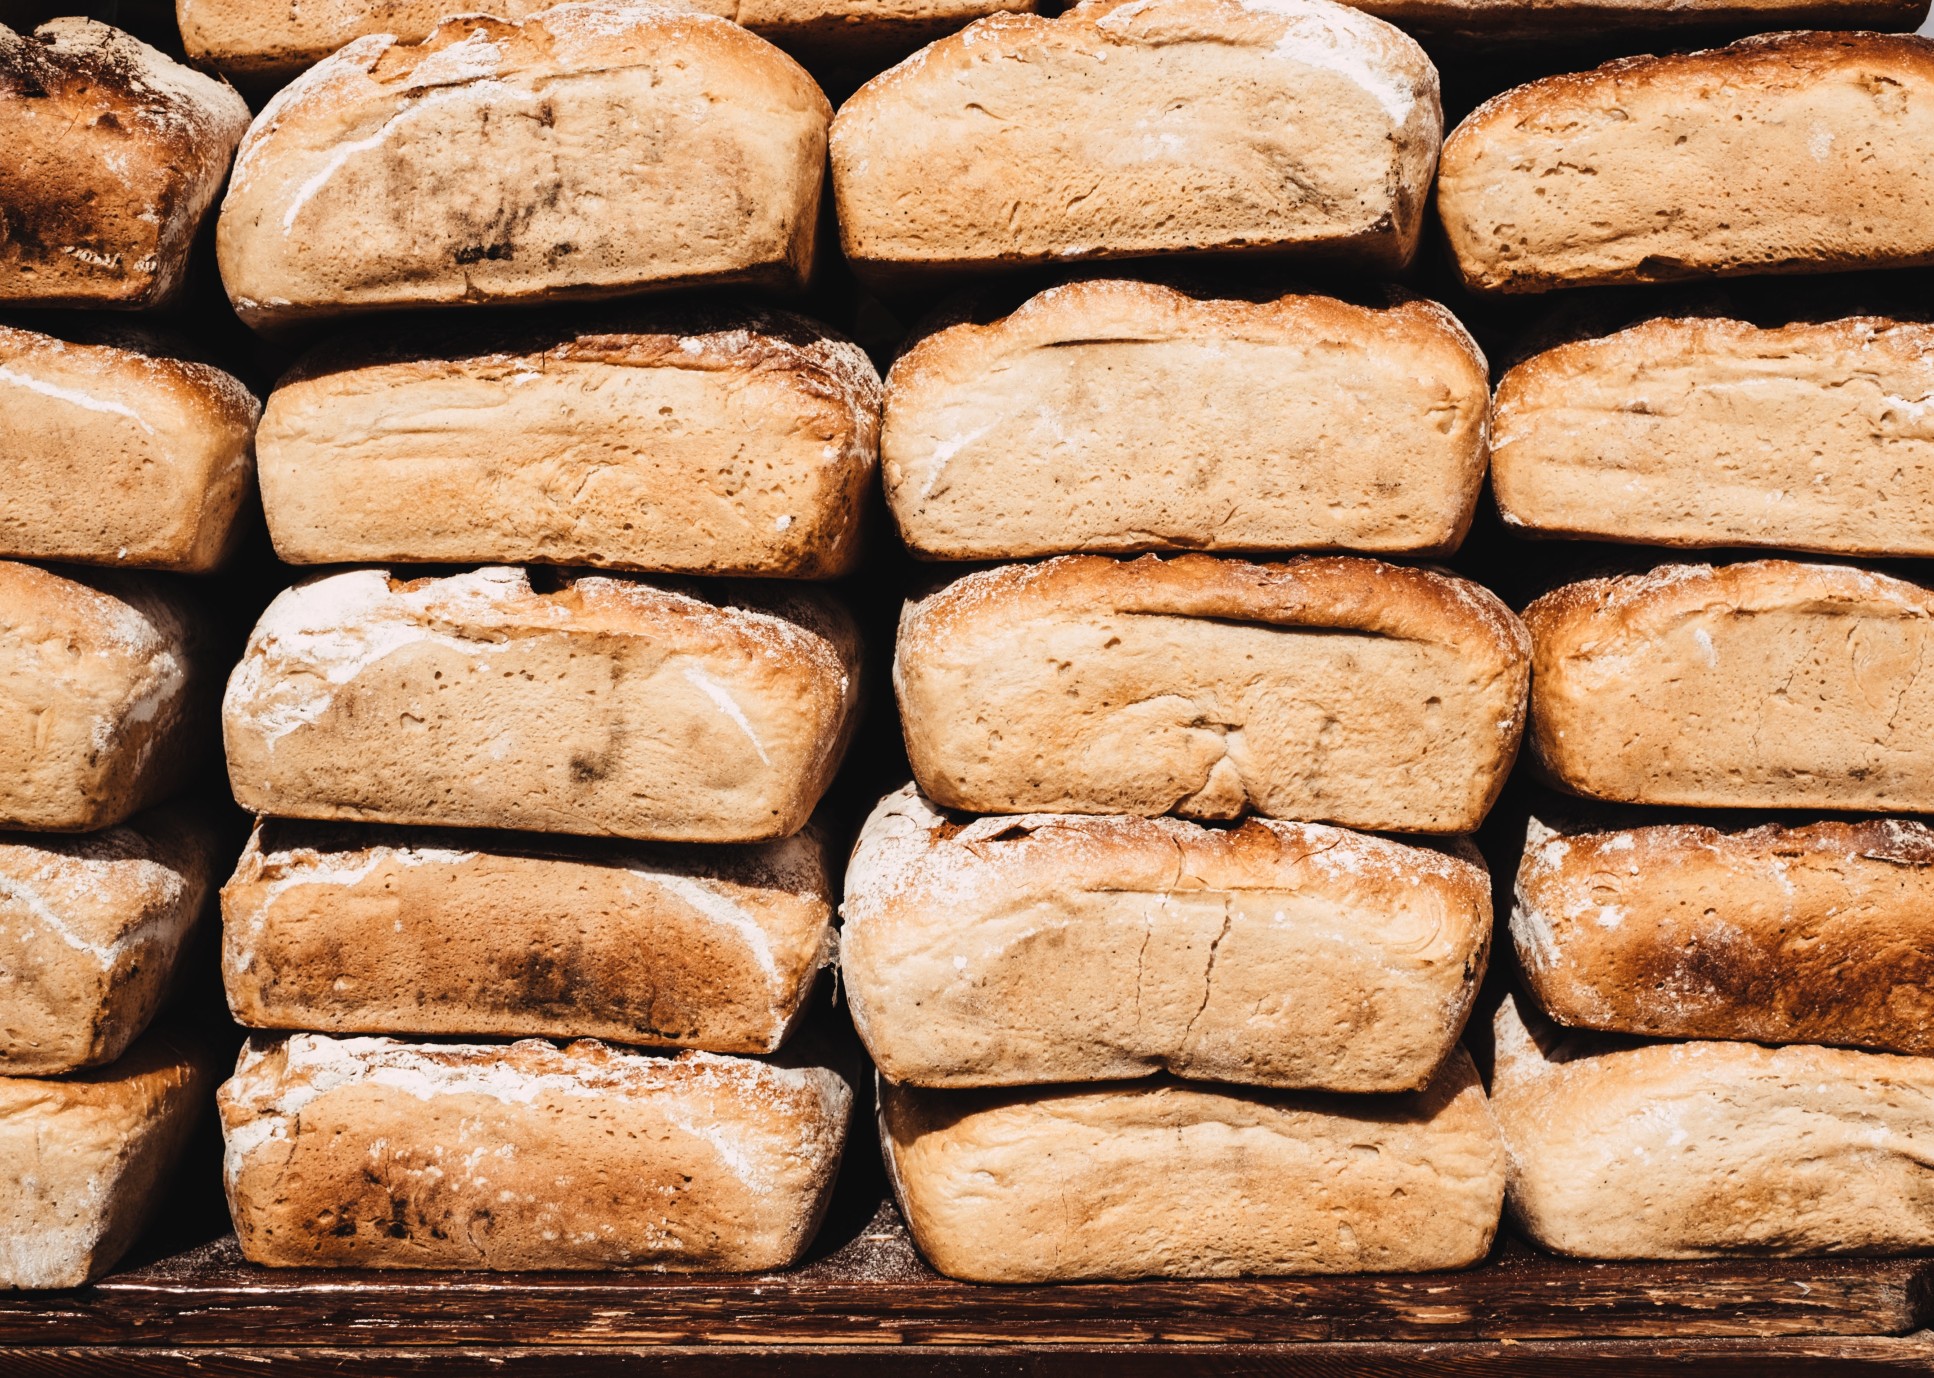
<point>1768,684</point>
<point>1700,1150</point>
<point>1315,424</point>
<point>1784,153</point>
<point>589,150</point>
<point>606,706</point>
<point>1513,27</point>
<point>160,445</point>
<point>114,154</point>
<point>91,931</point>
<point>1779,933</point>
<point>1164,1179</point>
<point>1324,688</point>
<point>374,1153</point>
<point>1156,126</point>
<point>265,43</point>
<point>714,442</point>
<point>351,929</point>
<point>1702,431</point>
<point>1064,947</point>
<point>88,1157</point>
<point>104,682</point>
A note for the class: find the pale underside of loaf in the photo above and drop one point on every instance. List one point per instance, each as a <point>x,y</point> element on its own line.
<point>362,930</point>
<point>1317,424</point>
<point>1123,130</point>
<point>1808,933</point>
<point>1708,432</point>
<point>1768,684</point>
<point>1709,1149</point>
<point>1784,153</point>
<point>1167,1180</point>
<point>369,1152</point>
<point>1055,948</point>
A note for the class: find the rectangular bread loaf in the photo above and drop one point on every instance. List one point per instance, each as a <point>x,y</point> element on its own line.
<point>700,442</point>
<point>1331,689</point>
<point>114,154</point>
<point>161,446</point>
<point>1169,1180</point>
<point>1767,684</point>
<point>92,929</point>
<point>1785,152</point>
<point>87,1157</point>
<point>606,706</point>
<point>351,929</point>
<point>1810,933</point>
<point>1709,1149</point>
<point>373,1153</point>
<point>104,696</point>
<point>1317,424</point>
<point>588,150</point>
<point>1123,130</point>
<point>1013,951</point>
<point>1691,431</point>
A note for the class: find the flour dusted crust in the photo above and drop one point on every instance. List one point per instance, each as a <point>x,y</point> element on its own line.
<point>590,150</point>
<point>696,441</point>
<point>88,1157</point>
<point>1169,1180</point>
<point>1690,431</point>
<point>1324,688</point>
<point>1154,126</point>
<point>1062,947</point>
<point>114,154</point>
<point>103,681</point>
<point>610,706</point>
<point>161,446</point>
<point>1768,684</point>
<point>91,932</point>
<point>351,929</point>
<point>260,41</point>
<point>1324,425</point>
<point>370,1152</point>
<point>1709,1149</point>
<point>1783,153</point>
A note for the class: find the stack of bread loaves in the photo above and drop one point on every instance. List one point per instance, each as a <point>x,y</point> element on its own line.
<point>521,801</point>
<point>1781,1095</point>
<point>126,455</point>
<point>1145,996</point>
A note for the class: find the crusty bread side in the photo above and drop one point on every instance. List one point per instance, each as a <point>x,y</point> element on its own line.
<point>114,154</point>
<point>1120,130</point>
<point>104,687</point>
<point>92,929</point>
<point>161,446</point>
<point>1169,1180</point>
<point>1512,27</point>
<point>1324,688</point>
<point>1322,425</point>
<point>88,1157</point>
<point>1795,152</point>
<point>1691,431</point>
<point>1767,684</point>
<point>609,706</point>
<point>369,1152</point>
<point>699,441</point>
<point>1015,951</point>
<point>350,929</point>
<point>1709,1149</point>
<point>590,150</point>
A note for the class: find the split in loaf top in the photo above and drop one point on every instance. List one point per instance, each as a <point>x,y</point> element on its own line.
<point>1325,688</point>
<point>1154,126</point>
<point>1784,153</point>
<point>1311,423</point>
<point>590,150</point>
